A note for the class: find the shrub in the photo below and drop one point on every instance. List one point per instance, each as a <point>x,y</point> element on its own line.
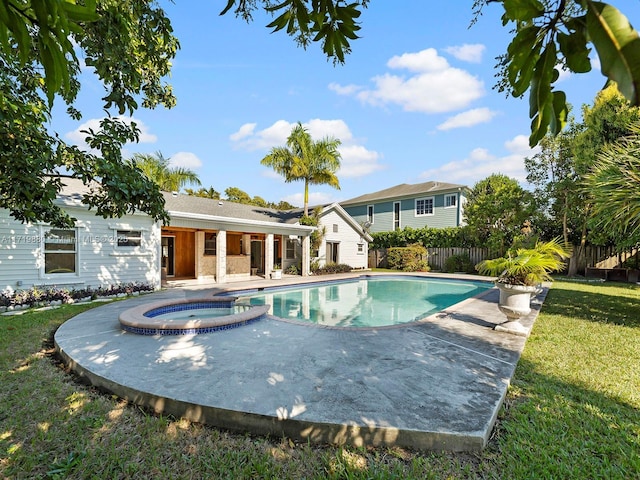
<point>330,268</point>
<point>292,270</point>
<point>412,258</point>
<point>459,263</point>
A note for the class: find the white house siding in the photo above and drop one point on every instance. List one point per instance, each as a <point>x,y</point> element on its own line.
<point>99,260</point>
<point>348,238</point>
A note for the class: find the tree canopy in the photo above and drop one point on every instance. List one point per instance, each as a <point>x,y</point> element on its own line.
<point>496,211</point>
<point>158,169</point>
<point>313,162</point>
<point>129,45</point>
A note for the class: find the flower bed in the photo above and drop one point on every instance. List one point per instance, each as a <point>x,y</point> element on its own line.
<point>44,296</point>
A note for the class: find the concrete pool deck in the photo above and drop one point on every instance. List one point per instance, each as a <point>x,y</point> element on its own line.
<point>433,385</point>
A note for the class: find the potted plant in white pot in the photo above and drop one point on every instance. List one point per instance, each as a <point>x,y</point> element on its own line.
<point>276,273</point>
<point>520,274</point>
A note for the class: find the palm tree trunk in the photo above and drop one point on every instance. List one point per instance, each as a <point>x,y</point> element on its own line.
<point>306,197</point>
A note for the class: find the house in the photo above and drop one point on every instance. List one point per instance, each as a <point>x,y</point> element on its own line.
<point>344,240</point>
<point>226,241</point>
<point>97,252</point>
<point>205,239</point>
<point>429,204</point>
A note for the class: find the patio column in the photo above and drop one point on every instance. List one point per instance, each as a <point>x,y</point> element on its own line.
<point>268,255</point>
<point>199,252</point>
<point>246,244</point>
<point>306,255</point>
<point>221,256</point>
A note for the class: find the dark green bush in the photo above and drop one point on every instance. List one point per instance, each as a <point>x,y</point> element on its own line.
<point>292,270</point>
<point>429,237</point>
<point>412,258</point>
<point>459,263</point>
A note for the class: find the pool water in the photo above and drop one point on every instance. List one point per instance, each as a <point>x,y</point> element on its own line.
<point>200,313</point>
<point>367,302</point>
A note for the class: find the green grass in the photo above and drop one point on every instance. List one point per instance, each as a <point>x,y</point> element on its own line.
<point>573,411</point>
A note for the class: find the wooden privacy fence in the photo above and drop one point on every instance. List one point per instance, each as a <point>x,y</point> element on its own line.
<point>590,261</point>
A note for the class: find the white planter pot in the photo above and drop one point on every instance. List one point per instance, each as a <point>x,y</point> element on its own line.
<point>515,300</point>
<point>276,274</point>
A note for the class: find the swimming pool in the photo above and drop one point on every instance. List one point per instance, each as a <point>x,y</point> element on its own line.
<point>367,301</point>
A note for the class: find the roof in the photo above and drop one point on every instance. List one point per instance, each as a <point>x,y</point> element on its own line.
<point>347,218</point>
<point>195,207</point>
<point>403,190</point>
<point>73,191</point>
<point>190,204</point>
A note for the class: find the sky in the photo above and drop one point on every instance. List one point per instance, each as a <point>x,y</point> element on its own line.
<point>414,102</point>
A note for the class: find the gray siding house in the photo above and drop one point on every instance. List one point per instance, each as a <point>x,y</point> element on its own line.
<point>429,204</point>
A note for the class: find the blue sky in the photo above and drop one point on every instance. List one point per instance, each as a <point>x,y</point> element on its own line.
<point>413,103</point>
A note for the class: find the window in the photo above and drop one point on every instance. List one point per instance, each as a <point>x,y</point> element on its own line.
<point>450,200</point>
<point>396,215</point>
<point>361,248</point>
<point>290,249</point>
<point>129,238</point>
<point>60,251</point>
<point>210,243</point>
<point>335,228</point>
<point>424,206</point>
<point>370,214</point>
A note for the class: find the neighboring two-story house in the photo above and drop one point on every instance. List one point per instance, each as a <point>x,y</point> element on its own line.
<point>429,204</point>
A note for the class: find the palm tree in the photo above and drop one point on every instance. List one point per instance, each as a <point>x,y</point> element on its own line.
<point>303,159</point>
<point>204,193</point>
<point>614,185</point>
<point>157,169</point>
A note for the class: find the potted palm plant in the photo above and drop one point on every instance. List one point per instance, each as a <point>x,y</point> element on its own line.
<point>520,274</point>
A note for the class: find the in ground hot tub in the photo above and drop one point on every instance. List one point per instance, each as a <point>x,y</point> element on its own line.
<point>189,317</point>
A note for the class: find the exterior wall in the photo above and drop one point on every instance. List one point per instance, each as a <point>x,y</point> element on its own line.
<point>347,238</point>
<point>383,213</point>
<point>99,259</point>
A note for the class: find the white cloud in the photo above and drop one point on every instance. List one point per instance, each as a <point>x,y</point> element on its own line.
<point>468,119</point>
<point>426,60</point>
<point>480,163</point>
<point>563,74</point>
<point>247,138</point>
<point>357,160</point>
<point>185,160</point>
<point>433,86</point>
<point>315,198</point>
<point>344,89</point>
<point>471,53</point>
<point>245,130</point>
<point>77,137</point>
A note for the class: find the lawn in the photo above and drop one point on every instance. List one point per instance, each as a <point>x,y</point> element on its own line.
<point>572,411</point>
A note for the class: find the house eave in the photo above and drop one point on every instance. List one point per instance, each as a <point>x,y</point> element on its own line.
<point>283,228</point>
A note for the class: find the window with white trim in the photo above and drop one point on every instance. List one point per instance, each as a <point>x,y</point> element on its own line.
<point>210,243</point>
<point>60,251</point>
<point>290,249</point>
<point>335,228</point>
<point>370,214</point>
<point>129,238</point>
<point>424,206</point>
<point>450,200</point>
<point>361,248</point>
